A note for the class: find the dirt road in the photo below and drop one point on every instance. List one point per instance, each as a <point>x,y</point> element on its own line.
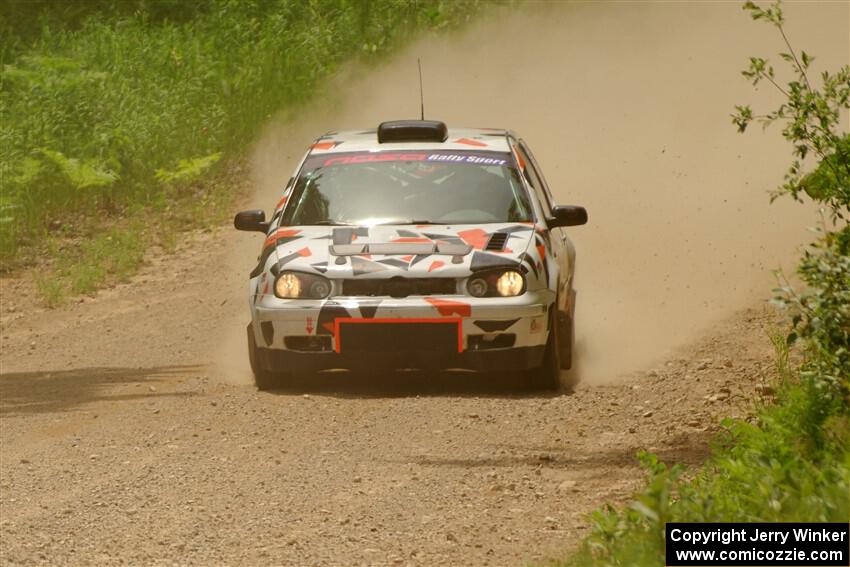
<point>131,434</point>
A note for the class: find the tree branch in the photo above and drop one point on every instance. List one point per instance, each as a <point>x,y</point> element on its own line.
<point>794,55</point>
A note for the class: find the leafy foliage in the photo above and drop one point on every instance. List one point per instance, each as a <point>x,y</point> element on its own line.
<point>810,118</point>
<point>821,314</point>
<point>793,462</point>
<point>187,169</point>
<point>98,96</point>
<point>79,175</point>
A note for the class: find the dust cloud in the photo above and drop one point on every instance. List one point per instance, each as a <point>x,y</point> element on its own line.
<point>627,107</point>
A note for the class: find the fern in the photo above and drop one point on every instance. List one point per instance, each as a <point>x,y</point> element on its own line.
<point>81,174</point>
<point>187,169</point>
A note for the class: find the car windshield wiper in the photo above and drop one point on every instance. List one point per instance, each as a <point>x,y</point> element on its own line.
<point>411,221</point>
<point>330,223</point>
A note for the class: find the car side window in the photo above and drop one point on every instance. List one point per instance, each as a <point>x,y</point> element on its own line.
<point>533,178</point>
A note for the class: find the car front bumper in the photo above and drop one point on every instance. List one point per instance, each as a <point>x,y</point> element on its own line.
<point>441,332</point>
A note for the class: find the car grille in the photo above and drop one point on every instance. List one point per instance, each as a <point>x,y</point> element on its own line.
<point>399,287</point>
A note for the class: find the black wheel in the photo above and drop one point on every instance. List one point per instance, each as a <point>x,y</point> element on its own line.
<point>567,342</point>
<point>566,339</point>
<point>264,379</point>
<point>548,375</point>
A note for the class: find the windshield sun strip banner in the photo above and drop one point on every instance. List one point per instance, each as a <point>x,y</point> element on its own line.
<point>436,156</point>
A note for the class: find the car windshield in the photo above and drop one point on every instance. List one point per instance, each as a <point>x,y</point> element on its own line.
<point>368,188</point>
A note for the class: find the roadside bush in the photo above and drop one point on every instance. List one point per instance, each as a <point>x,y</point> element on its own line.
<point>793,462</point>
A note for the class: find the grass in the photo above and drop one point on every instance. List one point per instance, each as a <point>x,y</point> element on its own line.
<point>97,253</point>
<point>114,108</point>
<point>115,254</point>
<point>791,465</point>
<point>51,290</point>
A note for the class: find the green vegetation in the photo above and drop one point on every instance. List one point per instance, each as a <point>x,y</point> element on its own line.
<point>793,462</point>
<point>52,290</point>
<point>117,109</point>
<point>97,258</point>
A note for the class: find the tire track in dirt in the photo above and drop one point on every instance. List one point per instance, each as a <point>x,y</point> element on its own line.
<point>121,444</point>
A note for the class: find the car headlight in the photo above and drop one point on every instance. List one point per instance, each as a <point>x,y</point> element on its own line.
<point>296,285</point>
<point>503,283</point>
<point>509,284</point>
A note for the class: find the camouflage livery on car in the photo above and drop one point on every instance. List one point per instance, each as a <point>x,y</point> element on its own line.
<point>414,252</point>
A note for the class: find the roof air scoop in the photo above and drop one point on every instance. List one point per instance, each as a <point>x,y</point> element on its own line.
<point>412,131</point>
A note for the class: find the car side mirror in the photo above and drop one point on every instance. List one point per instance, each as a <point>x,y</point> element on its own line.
<point>567,215</point>
<point>254,221</point>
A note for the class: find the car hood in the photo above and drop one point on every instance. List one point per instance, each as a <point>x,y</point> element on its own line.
<point>387,251</point>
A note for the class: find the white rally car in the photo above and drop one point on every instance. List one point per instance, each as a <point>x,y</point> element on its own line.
<point>414,246</point>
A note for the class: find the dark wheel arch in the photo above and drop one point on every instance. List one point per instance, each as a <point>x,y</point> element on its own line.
<point>263,378</point>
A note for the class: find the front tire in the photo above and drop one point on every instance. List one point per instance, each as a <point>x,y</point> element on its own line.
<point>547,376</point>
<point>567,345</point>
<point>566,339</point>
<point>264,379</point>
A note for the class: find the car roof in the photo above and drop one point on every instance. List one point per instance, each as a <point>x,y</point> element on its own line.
<point>469,139</point>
